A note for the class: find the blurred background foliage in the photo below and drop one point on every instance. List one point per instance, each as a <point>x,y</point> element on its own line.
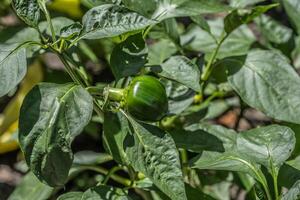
<point>276,30</point>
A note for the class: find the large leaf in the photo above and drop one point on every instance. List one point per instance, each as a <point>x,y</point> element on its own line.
<point>238,17</point>
<point>274,31</point>
<point>198,140</point>
<point>146,8</point>
<point>244,3</point>
<point>182,70</point>
<point>180,97</point>
<point>129,57</point>
<point>293,193</point>
<point>58,23</point>
<point>16,35</point>
<point>13,66</point>
<point>31,188</point>
<point>268,83</point>
<point>180,8</point>
<point>237,43</point>
<point>100,193</point>
<point>71,196</point>
<point>160,51</point>
<point>289,173</point>
<point>105,193</point>
<point>152,151</point>
<point>51,116</point>
<point>90,158</point>
<point>270,146</point>
<point>111,20</point>
<point>28,10</point>
<point>115,130</point>
<point>292,8</point>
<point>223,155</point>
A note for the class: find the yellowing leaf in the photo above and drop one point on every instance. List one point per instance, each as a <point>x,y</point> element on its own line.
<point>7,140</point>
<point>9,118</point>
<point>69,7</point>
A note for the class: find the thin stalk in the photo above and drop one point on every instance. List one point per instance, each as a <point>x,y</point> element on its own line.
<point>111,172</point>
<point>259,175</point>
<point>49,21</point>
<point>274,175</point>
<point>70,70</point>
<point>276,187</point>
<point>208,68</point>
<point>117,178</point>
<point>184,160</point>
<point>114,94</point>
<point>77,80</point>
<point>96,90</point>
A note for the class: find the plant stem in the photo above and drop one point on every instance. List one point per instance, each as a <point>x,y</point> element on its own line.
<point>96,90</point>
<point>184,160</point>
<point>76,79</point>
<point>208,68</point>
<point>70,70</point>
<point>111,173</point>
<point>49,21</point>
<point>274,175</point>
<point>119,179</point>
<point>114,94</point>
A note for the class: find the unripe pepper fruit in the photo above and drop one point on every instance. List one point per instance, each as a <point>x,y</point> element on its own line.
<point>145,98</point>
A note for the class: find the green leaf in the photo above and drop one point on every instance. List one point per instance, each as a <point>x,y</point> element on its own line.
<point>289,173</point>
<point>50,118</point>
<point>293,193</point>
<point>204,137</point>
<point>274,31</point>
<point>71,196</point>
<point>196,194</point>
<point>19,35</point>
<point>230,161</point>
<point>182,70</point>
<point>129,57</point>
<point>182,8</point>
<point>239,17</point>
<point>245,152</point>
<point>237,43</point>
<point>31,188</point>
<point>170,28</point>
<point>160,51</point>
<point>296,129</point>
<point>223,155</point>
<point>198,140</point>
<point>13,66</point>
<point>276,35</point>
<point>94,3</point>
<point>244,3</point>
<point>152,151</point>
<point>201,22</point>
<point>268,83</point>
<point>90,158</point>
<point>28,10</point>
<point>111,20</point>
<point>104,193</point>
<point>71,31</point>
<point>58,24</point>
<point>180,97</point>
<point>115,130</point>
<point>270,146</point>
<point>146,8</point>
<point>296,53</point>
<point>292,8</point>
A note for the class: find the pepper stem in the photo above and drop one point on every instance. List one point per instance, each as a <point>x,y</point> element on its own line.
<point>114,94</point>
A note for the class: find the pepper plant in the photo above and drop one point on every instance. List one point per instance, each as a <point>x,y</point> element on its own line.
<point>170,81</point>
